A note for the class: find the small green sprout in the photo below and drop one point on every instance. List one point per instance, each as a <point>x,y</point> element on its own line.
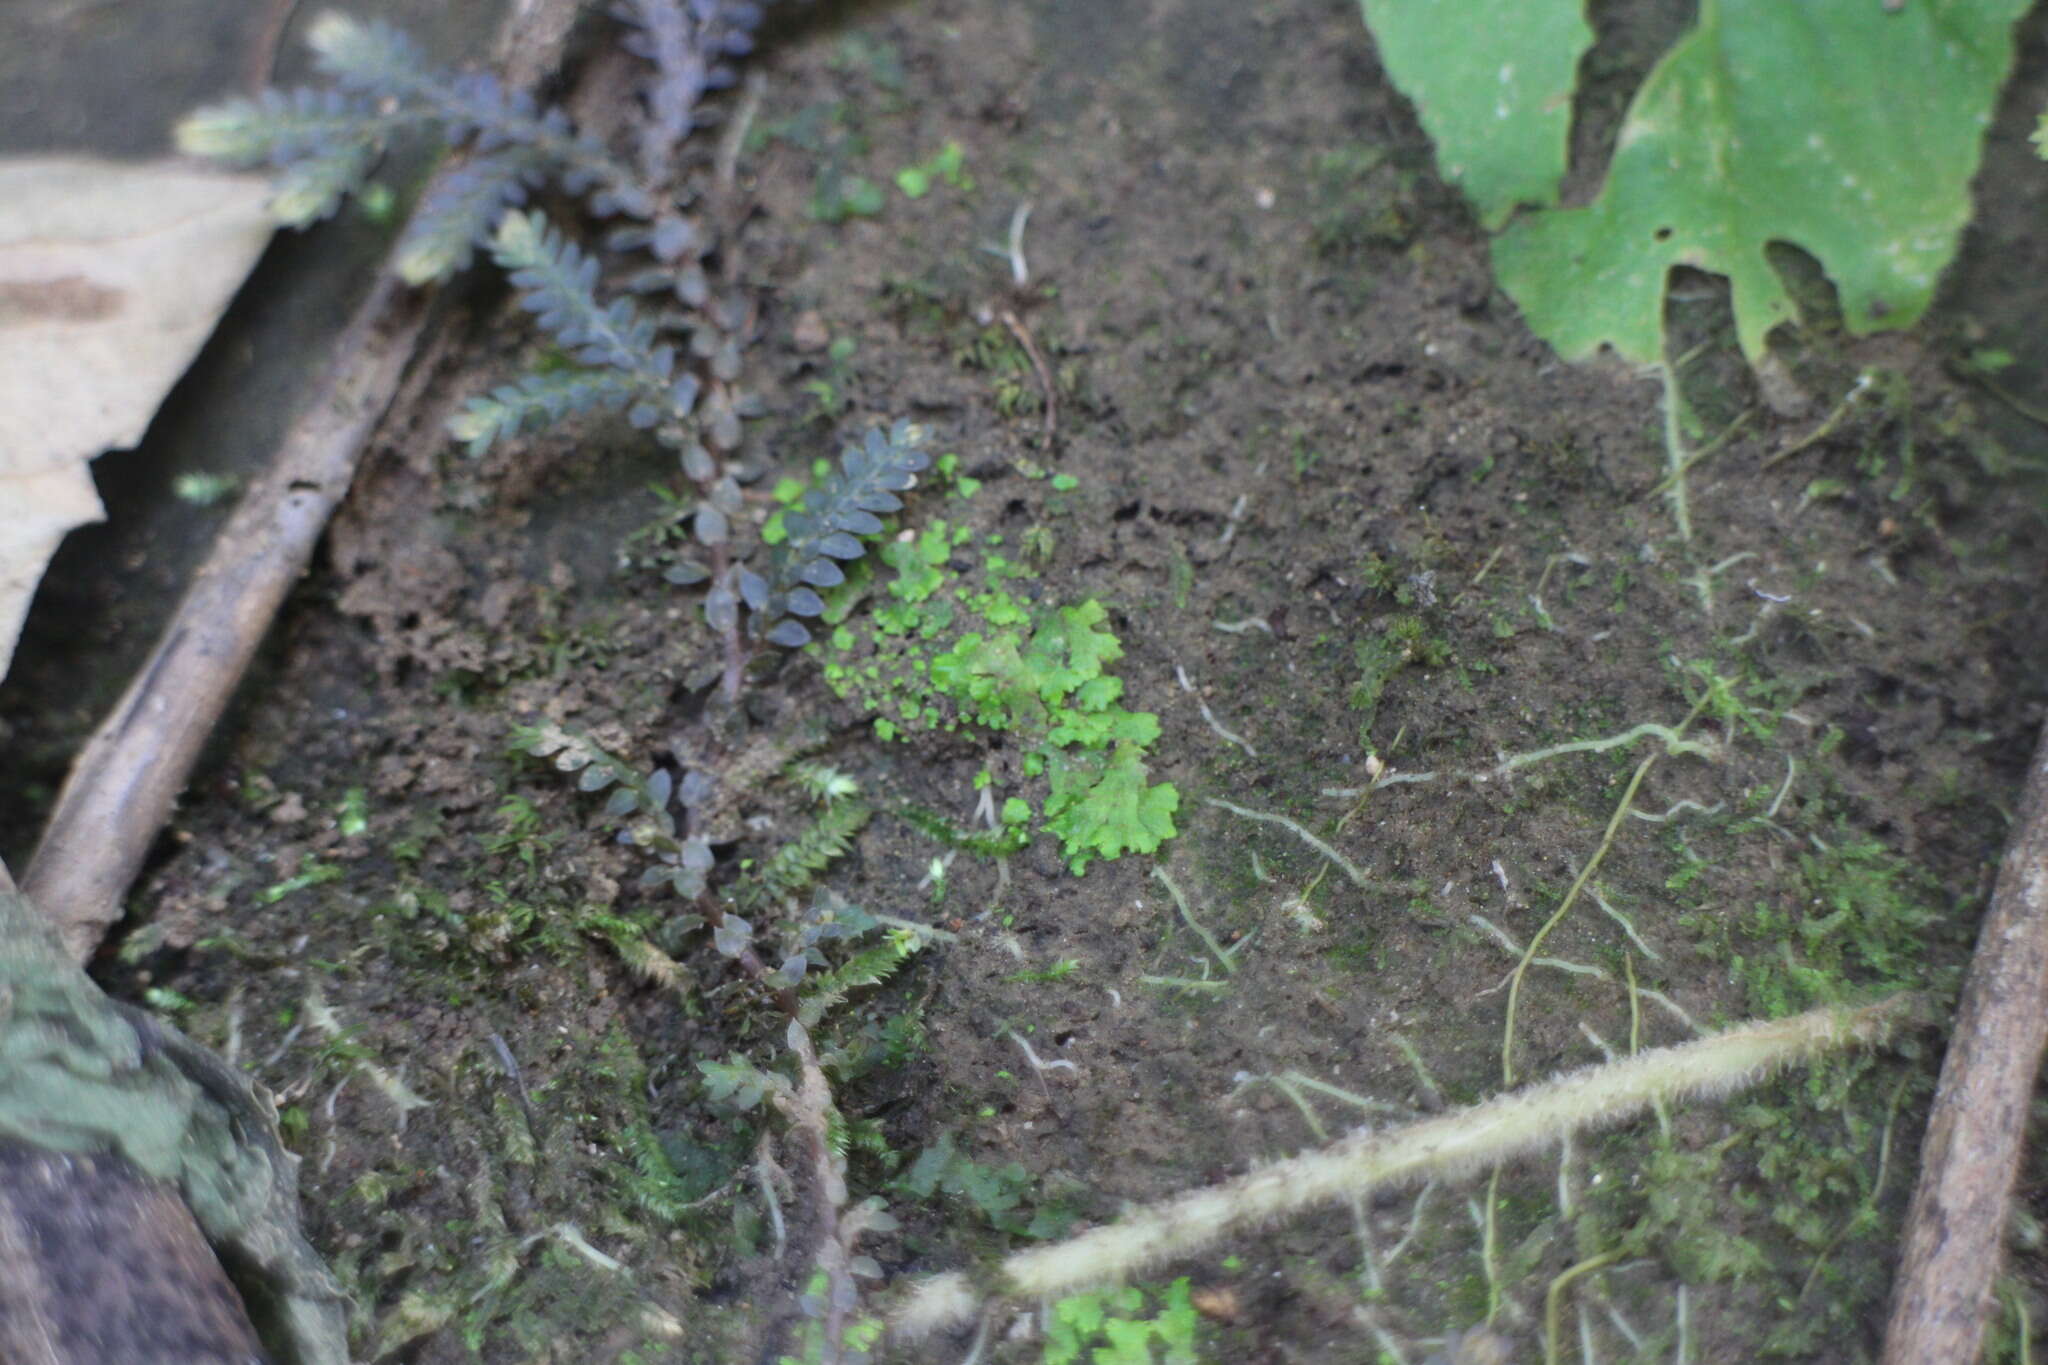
<point>164,1000</point>
<point>352,816</point>
<point>838,196</point>
<point>1058,971</point>
<point>204,490</point>
<point>948,164</point>
<point>314,874</point>
<point>377,203</point>
<point>826,784</point>
<point>953,648</point>
<point>964,485</point>
<point>1115,1316</point>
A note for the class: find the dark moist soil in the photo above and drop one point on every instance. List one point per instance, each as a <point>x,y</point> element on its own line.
<point>1349,518</point>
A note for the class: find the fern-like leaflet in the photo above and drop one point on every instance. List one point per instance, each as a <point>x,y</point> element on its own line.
<point>639,803</point>
<point>825,530</point>
<point>685,44</point>
<point>381,62</point>
<point>323,143</point>
<point>623,366</point>
<point>557,282</point>
<point>798,863</point>
<point>879,949</point>
<point>462,208</point>
<point>535,400</point>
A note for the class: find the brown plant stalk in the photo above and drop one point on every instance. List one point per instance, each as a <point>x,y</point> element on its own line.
<point>1955,1228</point>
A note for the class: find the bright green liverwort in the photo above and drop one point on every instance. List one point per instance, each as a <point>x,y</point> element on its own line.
<point>942,649</point>
<point>1050,688</point>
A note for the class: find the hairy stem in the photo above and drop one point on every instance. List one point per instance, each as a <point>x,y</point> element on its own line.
<point>1445,1146</point>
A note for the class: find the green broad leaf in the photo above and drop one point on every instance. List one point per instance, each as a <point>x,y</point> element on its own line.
<point>1068,650</point>
<point>992,684</point>
<point>1105,809</point>
<point>916,580</point>
<point>1177,1321</point>
<point>930,1168</point>
<point>1100,729</point>
<point>1081,1314</point>
<point>1098,694</point>
<point>1130,1342</point>
<point>739,1084</point>
<point>1847,128</point>
<point>1491,81</point>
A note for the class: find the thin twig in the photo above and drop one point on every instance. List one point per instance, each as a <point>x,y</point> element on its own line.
<point>1628,795</point>
<point>1828,424</point>
<point>1349,868</point>
<point>1187,686</point>
<point>1049,427</point>
<point>1553,1299</point>
<point>733,140</point>
<point>766,1171</point>
<point>1684,466</point>
<point>121,787</point>
<point>1201,930</point>
<point>1675,413</point>
<point>1674,743</point>
<point>2033,412</point>
<point>1955,1229</point>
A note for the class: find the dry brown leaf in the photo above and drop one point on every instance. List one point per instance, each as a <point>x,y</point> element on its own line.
<point>112,276</point>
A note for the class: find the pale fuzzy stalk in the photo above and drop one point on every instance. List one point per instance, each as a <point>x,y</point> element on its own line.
<point>1674,452</point>
<point>808,1106</point>
<point>1444,1147</point>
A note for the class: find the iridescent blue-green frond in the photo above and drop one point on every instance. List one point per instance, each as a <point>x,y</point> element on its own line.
<point>477,104</point>
<point>842,507</point>
<point>557,282</point>
<point>371,58</point>
<point>461,211</point>
<point>686,43</point>
<point>537,400</point>
<point>279,126</point>
<point>312,187</point>
<point>376,60</point>
<point>828,528</point>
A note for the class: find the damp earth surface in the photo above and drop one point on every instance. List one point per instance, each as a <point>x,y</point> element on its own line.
<point>1402,589</point>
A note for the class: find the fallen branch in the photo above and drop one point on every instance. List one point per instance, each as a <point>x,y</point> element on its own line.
<point>122,785</point>
<point>1448,1145</point>
<point>1955,1228</point>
